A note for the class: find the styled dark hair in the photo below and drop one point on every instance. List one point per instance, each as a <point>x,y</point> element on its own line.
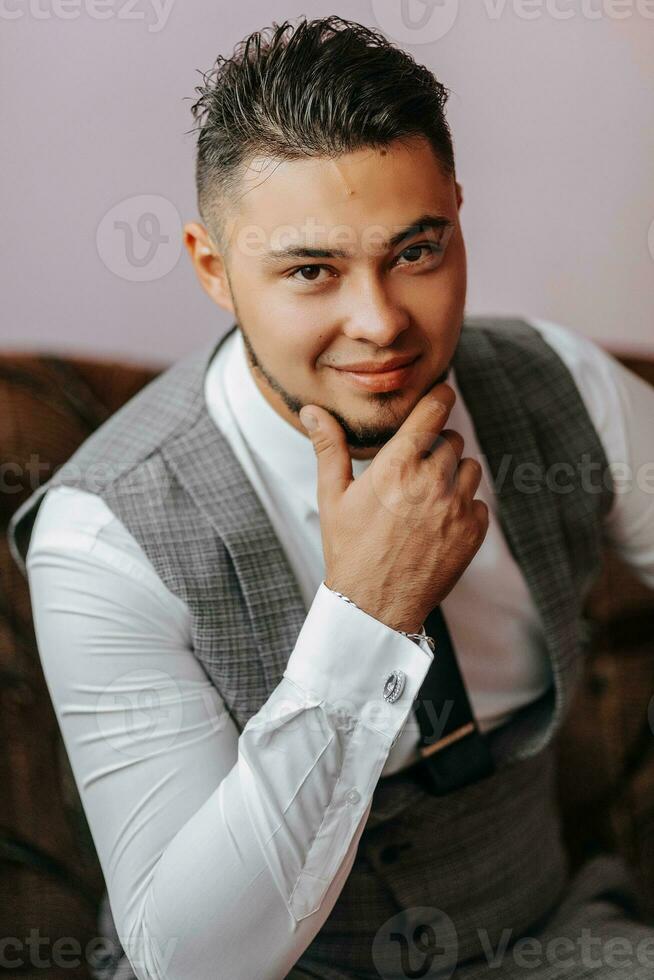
<point>329,87</point>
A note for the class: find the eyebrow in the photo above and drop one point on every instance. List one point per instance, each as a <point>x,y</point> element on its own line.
<point>421,224</point>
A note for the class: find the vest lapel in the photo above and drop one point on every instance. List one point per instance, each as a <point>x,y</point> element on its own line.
<point>530,520</point>
<point>205,464</point>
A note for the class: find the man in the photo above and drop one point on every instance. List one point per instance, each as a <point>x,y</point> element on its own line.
<point>308,683</point>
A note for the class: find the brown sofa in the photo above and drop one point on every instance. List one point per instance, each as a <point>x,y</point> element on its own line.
<point>50,879</point>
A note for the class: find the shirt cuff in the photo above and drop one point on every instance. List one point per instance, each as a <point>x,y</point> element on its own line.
<point>345,656</point>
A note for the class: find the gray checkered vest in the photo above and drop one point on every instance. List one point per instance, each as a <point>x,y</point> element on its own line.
<point>169,474</point>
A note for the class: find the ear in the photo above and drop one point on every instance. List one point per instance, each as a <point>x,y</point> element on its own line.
<point>208,264</point>
<point>459,195</point>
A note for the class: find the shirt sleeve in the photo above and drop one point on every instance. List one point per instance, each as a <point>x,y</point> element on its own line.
<point>621,407</point>
<point>215,847</point>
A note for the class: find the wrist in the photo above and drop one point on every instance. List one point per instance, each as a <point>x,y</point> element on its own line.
<point>416,633</point>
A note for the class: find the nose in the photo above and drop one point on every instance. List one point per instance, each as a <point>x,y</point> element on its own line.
<point>374,314</point>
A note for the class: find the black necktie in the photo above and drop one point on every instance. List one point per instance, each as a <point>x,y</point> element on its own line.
<point>454,752</point>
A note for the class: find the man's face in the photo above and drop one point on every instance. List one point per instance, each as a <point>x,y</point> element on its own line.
<point>346,294</point>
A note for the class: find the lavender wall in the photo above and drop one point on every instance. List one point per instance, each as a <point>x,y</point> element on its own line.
<point>551,110</point>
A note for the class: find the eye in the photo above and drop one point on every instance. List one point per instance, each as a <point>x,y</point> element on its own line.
<point>305,268</point>
<point>432,248</point>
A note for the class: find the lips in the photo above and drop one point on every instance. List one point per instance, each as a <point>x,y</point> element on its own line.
<point>381,380</point>
<point>377,367</point>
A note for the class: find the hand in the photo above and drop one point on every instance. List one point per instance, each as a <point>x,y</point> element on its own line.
<point>397,539</point>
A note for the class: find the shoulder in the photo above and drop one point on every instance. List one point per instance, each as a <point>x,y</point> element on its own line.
<point>586,360</point>
<point>607,389</point>
<point>75,528</point>
<point>599,378</point>
<point>620,403</point>
<point>593,369</point>
<point>581,355</point>
<point>68,518</point>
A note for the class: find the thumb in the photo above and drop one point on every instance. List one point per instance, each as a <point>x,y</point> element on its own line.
<point>330,446</point>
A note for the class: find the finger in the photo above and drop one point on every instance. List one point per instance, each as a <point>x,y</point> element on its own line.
<point>332,454</point>
<point>447,451</point>
<point>482,514</point>
<point>417,434</point>
<point>469,476</point>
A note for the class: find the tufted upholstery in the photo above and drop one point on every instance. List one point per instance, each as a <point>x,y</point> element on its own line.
<point>50,878</point>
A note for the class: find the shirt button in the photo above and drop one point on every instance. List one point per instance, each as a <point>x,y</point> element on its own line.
<point>394,685</point>
<point>352,796</point>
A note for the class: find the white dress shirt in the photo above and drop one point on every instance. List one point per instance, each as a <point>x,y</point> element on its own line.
<point>220,849</point>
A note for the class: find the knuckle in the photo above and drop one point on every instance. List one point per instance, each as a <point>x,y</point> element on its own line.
<point>449,442</point>
<point>477,533</point>
<point>469,463</point>
<point>482,514</point>
<point>323,446</point>
<point>456,439</point>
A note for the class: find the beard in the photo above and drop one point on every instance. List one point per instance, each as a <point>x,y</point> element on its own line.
<point>359,435</point>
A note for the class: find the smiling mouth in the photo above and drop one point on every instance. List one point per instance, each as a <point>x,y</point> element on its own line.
<point>377,367</point>
<point>380,380</point>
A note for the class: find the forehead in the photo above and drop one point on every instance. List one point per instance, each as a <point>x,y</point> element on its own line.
<point>380,186</point>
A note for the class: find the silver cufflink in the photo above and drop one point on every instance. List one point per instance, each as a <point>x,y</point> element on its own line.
<point>394,685</point>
